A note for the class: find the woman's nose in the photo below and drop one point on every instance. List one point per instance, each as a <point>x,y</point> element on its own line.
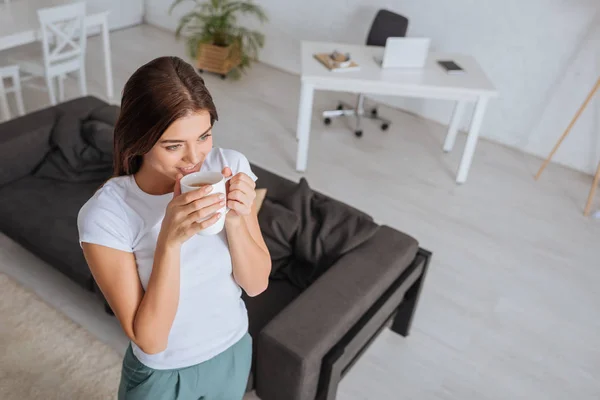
<point>192,157</point>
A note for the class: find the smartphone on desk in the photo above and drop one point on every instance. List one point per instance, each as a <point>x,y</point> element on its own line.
<point>451,67</point>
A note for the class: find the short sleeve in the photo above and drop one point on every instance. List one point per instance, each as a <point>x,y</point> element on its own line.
<point>238,163</point>
<point>244,166</point>
<point>102,221</point>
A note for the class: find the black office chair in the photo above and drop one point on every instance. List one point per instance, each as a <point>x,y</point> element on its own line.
<point>386,24</point>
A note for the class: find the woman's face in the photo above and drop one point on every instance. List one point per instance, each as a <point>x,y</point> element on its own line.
<point>183,146</point>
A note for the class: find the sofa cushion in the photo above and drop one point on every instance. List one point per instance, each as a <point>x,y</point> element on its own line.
<point>278,226</point>
<point>41,215</point>
<point>327,230</point>
<point>260,197</point>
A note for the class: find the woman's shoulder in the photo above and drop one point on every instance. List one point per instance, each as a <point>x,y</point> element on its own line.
<point>109,198</point>
<point>103,219</point>
<point>113,190</point>
<point>222,156</point>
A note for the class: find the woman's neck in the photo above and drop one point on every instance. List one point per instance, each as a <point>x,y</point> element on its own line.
<point>152,182</point>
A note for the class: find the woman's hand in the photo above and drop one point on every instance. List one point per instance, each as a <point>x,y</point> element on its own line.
<point>240,194</point>
<point>183,212</point>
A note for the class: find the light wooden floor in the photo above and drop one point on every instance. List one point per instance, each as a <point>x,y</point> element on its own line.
<point>511,306</point>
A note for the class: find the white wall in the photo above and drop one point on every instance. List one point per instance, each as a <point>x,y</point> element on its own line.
<point>542,55</point>
<point>562,99</point>
<point>122,13</point>
<point>156,12</point>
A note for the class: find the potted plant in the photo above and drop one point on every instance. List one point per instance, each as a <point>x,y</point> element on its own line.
<point>214,39</point>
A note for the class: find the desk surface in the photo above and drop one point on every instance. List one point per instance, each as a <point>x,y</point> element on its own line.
<point>19,21</point>
<point>372,78</point>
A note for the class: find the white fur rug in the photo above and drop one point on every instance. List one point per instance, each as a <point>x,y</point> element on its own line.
<point>45,355</point>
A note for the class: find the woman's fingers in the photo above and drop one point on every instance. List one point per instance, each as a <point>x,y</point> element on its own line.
<point>203,202</point>
<point>242,182</point>
<point>191,196</point>
<point>196,227</point>
<point>206,211</point>
<point>238,207</point>
<point>238,195</point>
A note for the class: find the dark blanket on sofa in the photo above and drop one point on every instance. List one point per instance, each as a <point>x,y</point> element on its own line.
<point>306,232</point>
<point>81,148</point>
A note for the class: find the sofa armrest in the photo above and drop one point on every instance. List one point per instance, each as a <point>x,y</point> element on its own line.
<point>290,349</point>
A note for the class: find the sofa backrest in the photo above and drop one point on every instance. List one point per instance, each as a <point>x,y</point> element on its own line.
<point>25,141</point>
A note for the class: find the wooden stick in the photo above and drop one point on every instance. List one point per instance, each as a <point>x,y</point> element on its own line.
<point>564,135</point>
<point>588,206</point>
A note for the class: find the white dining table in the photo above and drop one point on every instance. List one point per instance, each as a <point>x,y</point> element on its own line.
<point>19,26</point>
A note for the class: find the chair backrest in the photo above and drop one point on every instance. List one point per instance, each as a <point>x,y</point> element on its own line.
<point>63,37</point>
<point>386,24</point>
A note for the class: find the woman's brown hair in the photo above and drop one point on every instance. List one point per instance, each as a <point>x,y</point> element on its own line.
<point>156,95</point>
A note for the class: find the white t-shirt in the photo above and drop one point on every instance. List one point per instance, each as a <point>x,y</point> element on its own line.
<point>212,315</point>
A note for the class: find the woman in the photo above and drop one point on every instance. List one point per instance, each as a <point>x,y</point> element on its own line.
<point>176,294</point>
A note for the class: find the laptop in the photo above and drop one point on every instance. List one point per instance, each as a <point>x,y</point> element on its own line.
<point>404,52</point>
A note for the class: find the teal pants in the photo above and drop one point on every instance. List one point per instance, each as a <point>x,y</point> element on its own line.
<point>223,377</point>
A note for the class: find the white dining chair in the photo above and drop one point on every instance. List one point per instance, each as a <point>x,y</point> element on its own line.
<point>64,42</point>
<point>10,72</point>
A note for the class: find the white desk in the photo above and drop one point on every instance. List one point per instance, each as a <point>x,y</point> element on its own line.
<point>430,82</point>
<point>19,25</point>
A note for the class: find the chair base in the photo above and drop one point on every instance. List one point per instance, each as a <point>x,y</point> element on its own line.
<point>358,111</point>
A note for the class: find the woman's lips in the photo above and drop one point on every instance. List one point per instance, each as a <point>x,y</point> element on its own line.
<point>186,171</point>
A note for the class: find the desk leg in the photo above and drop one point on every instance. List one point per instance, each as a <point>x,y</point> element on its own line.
<point>454,124</point>
<point>303,127</point>
<point>465,162</point>
<point>107,59</point>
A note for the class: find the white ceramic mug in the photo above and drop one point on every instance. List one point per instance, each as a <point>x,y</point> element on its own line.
<point>217,180</point>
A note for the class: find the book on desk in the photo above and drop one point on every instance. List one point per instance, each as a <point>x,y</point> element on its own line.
<point>332,65</point>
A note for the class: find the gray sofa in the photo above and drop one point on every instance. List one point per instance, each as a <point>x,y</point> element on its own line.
<point>338,278</point>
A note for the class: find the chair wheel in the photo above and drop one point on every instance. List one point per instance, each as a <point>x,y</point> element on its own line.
<point>340,107</point>
<point>358,133</point>
<point>374,112</point>
<point>200,70</point>
<point>384,127</point>
<point>327,121</point>
<point>223,76</point>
